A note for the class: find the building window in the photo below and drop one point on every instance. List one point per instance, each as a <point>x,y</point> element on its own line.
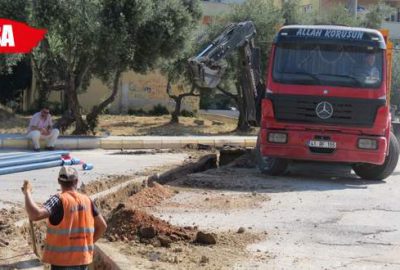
<point>398,15</point>
<point>394,17</point>
<point>307,8</point>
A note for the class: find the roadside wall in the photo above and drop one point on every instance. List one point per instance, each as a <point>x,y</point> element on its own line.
<point>136,91</point>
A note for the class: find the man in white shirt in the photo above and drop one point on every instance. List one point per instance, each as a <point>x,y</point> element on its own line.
<point>41,127</point>
<point>371,70</point>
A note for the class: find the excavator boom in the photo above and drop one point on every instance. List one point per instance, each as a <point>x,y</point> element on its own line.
<point>208,67</point>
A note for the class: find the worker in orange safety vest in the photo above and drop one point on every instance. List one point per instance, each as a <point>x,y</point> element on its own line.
<point>74,223</point>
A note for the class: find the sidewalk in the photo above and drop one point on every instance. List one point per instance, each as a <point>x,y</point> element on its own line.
<point>107,165</point>
<point>8,141</point>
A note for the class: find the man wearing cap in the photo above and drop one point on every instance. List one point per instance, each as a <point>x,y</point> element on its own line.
<point>74,223</point>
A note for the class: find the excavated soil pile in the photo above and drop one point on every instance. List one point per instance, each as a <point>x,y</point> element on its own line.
<point>128,224</point>
<point>150,196</point>
<point>7,219</point>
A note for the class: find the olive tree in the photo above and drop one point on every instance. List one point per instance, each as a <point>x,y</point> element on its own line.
<point>102,38</point>
<point>267,19</point>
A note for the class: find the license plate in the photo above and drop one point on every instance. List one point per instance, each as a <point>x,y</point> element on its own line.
<point>322,144</point>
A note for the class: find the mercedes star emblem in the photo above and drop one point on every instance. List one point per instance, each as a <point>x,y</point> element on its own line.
<point>324,110</point>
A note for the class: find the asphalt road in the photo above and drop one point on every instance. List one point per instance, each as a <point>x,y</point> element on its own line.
<point>318,217</point>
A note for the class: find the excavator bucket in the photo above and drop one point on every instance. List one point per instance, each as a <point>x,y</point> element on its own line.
<point>206,75</point>
<point>209,66</point>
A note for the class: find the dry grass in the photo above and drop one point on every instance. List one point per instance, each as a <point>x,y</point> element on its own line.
<point>127,125</point>
<point>14,124</point>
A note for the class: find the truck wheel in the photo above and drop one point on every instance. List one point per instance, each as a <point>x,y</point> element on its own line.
<point>380,172</point>
<point>396,130</point>
<point>270,165</point>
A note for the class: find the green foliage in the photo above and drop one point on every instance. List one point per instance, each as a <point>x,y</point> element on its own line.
<point>291,12</point>
<point>340,15</point>
<point>167,33</point>
<point>158,110</point>
<point>14,10</point>
<point>100,38</point>
<point>376,15</point>
<point>176,69</point>
<point>139,112</point>
<point>206,99</point>
<point>395,99</point>
<point>223,102</point>
<point>54,107</point>
<point>13,83</point>
<point>337,15</point>
<point>267,19</point>
<point>186,113</point>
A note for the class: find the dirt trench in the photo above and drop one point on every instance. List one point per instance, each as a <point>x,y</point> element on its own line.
<point>139,235</point>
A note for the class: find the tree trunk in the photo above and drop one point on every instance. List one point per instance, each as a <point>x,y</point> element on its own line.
<point>175,114</point>
<point>40,85</point>
<point>43,96</point>
<point>81,126</point>
<point>178,101</point>
<point>243,124</point>
<point>92,117</point>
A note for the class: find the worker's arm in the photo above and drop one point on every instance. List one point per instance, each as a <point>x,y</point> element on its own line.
<point>100,227</point>
<point>34,211</point>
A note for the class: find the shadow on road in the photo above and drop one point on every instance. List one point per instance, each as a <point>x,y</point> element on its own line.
<point>301,177</point>
<point>27,264</point>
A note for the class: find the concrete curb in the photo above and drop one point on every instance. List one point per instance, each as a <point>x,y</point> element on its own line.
<point>137,142</point>
<point>103,260</point>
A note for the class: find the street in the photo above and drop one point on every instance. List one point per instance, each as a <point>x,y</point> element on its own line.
<point>318,217</point>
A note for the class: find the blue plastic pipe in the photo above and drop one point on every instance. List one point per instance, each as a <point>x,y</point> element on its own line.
<point>30,167</point>
<point>28,160</point>
<point>29,154</point>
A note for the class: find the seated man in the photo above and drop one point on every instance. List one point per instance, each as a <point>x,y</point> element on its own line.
<point>41,127</point>
<point>368,72</point>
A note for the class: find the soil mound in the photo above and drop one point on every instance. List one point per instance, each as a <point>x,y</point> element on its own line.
<point>149,196</point>
<point>7,228</point>
<point>128,224</point>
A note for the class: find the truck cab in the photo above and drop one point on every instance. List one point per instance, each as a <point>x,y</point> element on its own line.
<point>327,99</point>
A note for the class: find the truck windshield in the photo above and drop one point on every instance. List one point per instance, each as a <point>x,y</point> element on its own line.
<point>328,64</point>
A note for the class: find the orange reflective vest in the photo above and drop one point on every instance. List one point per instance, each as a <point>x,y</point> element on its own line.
<point>70,243</point>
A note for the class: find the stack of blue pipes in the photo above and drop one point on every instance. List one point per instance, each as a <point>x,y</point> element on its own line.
<point>20,162</point>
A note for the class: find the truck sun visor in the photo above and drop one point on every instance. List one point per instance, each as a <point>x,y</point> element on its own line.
<point>328,33</point>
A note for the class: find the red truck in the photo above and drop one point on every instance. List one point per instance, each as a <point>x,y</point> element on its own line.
<point>327,98</point>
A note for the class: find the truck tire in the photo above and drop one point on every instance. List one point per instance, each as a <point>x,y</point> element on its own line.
<point>270,165</point>
<point>396,130</point>
<point>380,172</point>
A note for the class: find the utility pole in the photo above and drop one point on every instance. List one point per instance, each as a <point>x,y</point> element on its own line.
<point>353,7</point>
